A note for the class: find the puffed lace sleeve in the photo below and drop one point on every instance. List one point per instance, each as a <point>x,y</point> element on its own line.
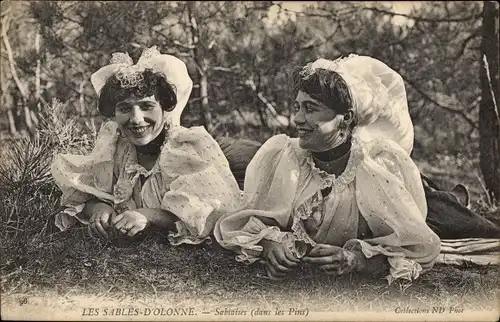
<point>391,199</point>
<point>202,187</point>
<point>270,188</point>
<point>82,177</point>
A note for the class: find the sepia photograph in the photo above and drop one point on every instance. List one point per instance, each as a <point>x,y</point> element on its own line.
<point>250,161</point>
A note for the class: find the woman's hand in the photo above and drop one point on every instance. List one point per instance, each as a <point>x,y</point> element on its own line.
<point>279,259</point>
<point>130,222</point>
<point>100,217</point>
<point>332,259</point>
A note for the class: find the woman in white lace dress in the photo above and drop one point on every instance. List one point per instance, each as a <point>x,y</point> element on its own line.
<point>345,196</point>
<point>145,169</point>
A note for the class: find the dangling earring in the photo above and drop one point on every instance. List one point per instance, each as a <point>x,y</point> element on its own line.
<point>345,125</point>
<point>166,126</point>
<point>120,132</point>
<point>348,117</point>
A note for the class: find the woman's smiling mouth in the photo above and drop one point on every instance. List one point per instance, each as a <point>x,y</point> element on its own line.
<point>303,131</point>
<point>139,130</point>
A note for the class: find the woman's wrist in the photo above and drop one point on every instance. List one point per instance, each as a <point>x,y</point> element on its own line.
<point>158,218</point>
<point>359,260</point>
<point>93,206</point>
<point>375,265</point>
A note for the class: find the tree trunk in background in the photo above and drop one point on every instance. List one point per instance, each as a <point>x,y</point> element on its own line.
<point>12,122</point>
<point>489,123</point>
<point>201,66</point>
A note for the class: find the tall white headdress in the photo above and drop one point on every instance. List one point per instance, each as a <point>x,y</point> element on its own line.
<point>379,98</point>
<point>130,75</point>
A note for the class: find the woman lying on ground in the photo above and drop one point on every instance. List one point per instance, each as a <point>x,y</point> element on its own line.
<point>145,169</point>
<point>345,196</point>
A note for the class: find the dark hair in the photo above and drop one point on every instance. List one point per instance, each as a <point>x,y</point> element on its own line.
<point>323,85</point>
<point>151,84</point>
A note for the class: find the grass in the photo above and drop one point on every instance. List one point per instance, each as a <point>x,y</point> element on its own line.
<point>71,268</point>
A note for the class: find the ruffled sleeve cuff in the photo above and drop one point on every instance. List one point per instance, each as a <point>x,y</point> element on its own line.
<point>69,217</point>
<point>401,267</point>
<point>248,239</point>
<point>184,235</point>
<point>194,213</point>
<point>82,177</point>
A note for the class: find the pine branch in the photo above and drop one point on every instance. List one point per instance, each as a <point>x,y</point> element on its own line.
<point>435,102</point>
<point>424,19</point>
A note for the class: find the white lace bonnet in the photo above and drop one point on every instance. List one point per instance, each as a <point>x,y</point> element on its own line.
<point>379,98</point>
<point>173,68</point>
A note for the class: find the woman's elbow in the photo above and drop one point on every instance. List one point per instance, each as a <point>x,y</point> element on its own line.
<point>432,250</point>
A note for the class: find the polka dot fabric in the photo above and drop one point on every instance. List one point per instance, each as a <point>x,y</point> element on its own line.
<point>191,179</point>
<point>381,185</point>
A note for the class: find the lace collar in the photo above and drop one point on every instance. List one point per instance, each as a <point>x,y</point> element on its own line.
<point>331,180</point>
<point>132,165</point>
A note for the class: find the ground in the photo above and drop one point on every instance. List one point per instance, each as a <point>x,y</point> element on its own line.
<point>52,275</point>
<point>73,272</point>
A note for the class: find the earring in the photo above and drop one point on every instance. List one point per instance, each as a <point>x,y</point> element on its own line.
<point>348,117</point>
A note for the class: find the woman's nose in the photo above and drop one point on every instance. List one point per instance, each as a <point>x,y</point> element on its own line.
<point>136,115</point>
<point>299,117</point>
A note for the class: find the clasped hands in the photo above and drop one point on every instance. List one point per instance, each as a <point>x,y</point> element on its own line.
<point>105,222</point>
<point>333,260</point>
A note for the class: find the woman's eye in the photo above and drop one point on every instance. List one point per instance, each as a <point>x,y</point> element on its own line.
<point>147,107</point>
<point>123,108</point>
<point>311,107</point>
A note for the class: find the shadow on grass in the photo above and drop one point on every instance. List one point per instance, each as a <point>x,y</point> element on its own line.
<point>151,268</point>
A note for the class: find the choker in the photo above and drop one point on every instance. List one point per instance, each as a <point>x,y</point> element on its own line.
<point>153,147</point>
<point>333,166</point>
<point>347,144</point>
<point>334,161</point>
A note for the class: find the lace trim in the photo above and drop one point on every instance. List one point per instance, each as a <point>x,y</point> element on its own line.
<point>307,209</point>
<point>184,236</point>
<point>314,205</point>
<point>124,187</point>
<point>339,183</point>
<point>295,241</point>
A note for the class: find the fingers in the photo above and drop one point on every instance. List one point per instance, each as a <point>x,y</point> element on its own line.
<point>291,257</point>
<point>120,223</point>
<point>322,260</point>
<point>322,250</point>
<point>125,227</point>
<point>273,274</point>
<point>117,219</point>
<point>93,229</point>
<point>283,258</point>
<point>101,230</point>
<point>133,231</point>
<point>333,269</point>
<point>104,220</point>
<point>276,265</point>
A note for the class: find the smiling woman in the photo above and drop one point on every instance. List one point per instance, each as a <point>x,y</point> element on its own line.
<point>345,196</point>
<point>141,120</point>
<point>145,169</point>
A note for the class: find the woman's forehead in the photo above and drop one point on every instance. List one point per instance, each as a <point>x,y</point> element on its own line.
<point>134,100</point>
<point>304,97</point>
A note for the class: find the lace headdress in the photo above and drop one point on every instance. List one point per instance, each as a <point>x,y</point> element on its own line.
<point>379,97</point>
<point>130,75</point>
